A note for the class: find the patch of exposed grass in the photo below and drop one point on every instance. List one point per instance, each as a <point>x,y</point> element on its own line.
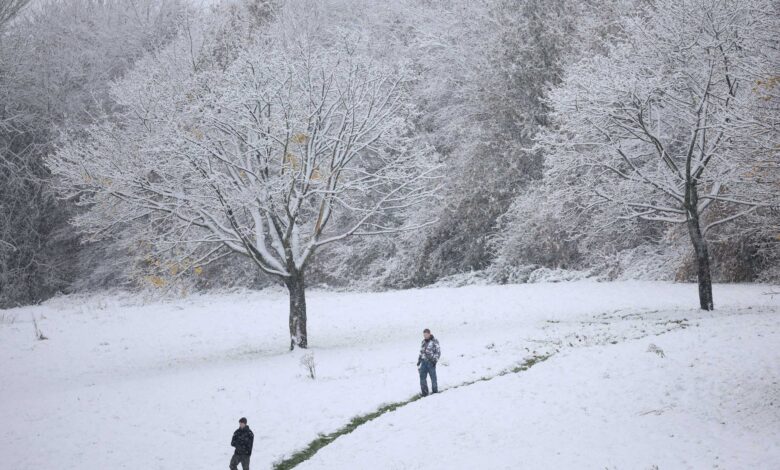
<point>325,439</point>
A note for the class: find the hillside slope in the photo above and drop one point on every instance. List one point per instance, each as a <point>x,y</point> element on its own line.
<point>124,383</point>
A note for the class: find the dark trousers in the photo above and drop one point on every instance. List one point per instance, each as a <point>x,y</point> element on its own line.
<point>428,368</point>
<point>243,459</point>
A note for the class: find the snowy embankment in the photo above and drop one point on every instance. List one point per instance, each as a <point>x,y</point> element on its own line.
<point>704,397</point>
<point>122,385</point>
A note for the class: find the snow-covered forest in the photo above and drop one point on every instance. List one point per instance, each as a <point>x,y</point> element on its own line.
<point>489,141</point>
<point>162,154</point>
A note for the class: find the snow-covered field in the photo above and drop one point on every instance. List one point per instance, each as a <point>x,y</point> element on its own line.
<point>120,384</point>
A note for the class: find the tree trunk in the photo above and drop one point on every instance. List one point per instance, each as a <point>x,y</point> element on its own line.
<point>297,288</point>
<point>702,255</point>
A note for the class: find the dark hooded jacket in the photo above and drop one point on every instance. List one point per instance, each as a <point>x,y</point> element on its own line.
<point>243,440</point>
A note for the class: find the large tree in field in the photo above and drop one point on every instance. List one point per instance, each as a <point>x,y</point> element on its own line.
<point>676,124</point>
<point>297,143</point>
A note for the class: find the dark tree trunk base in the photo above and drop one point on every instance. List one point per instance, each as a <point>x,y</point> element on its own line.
<point>297,289</point>
<point>702,265</point>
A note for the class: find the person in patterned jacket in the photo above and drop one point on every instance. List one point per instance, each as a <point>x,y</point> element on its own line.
<point>243,439</point>
<point>426,362</point>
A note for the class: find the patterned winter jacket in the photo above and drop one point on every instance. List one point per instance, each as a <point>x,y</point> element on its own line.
<point>243,439</point>
<point>430,350</point>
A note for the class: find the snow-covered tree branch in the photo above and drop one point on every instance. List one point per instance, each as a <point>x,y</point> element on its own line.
<point>671,125</point>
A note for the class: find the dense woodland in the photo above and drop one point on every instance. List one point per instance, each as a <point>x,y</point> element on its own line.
<point>363,144</point>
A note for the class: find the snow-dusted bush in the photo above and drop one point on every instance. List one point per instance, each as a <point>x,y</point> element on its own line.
<point>507,273</point>
<point>557,275</point>
<point>309,364</point>
<point>659,261</point>
<point>472,278</point>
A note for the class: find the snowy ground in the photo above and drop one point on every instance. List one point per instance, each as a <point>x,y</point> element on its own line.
<point>119,384</point>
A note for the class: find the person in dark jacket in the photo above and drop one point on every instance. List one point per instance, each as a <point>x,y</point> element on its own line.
<point>243,439</point>
<point>426,362</point>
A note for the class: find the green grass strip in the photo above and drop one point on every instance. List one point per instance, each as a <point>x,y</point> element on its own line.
<point>325,439</point>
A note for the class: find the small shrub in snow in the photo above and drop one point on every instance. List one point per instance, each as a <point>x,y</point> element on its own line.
<point>556,275</point>
<point>655,349</point>
<point>471,278</point>
<point>657,262</point>
<point>308,363</point>
<point>503,272</point>
<point>38,333</point>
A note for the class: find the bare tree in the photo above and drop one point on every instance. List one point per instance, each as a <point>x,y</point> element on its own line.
<point>677,124</point>
<point>296,145</point>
